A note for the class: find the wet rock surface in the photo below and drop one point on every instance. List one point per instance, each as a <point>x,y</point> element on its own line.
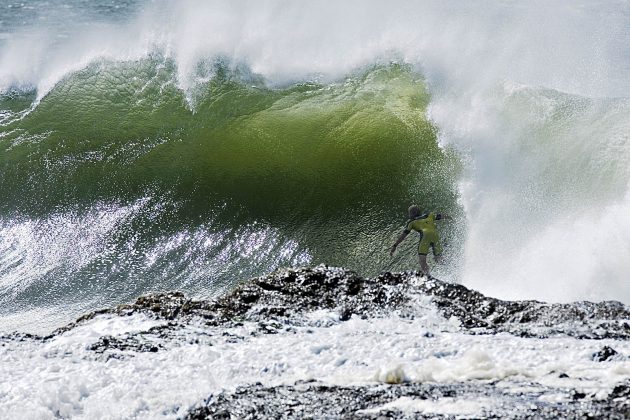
<point>286,296</point>
<point>530,318</point>
<point>604,354</point>
<point>127,344</point>
<point>484,400</point>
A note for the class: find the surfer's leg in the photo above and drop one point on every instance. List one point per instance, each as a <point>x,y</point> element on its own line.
<point>423,264</point>
<point>437,250</point>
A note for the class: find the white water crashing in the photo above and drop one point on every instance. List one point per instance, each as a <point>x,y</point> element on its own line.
<point>546,185</point>
<point>62,377</point>
<point>546,194</point>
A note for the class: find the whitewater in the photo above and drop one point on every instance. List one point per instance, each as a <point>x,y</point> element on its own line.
<point>150,146</point>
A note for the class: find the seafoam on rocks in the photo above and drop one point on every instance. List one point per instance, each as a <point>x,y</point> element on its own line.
<point>394,338</point>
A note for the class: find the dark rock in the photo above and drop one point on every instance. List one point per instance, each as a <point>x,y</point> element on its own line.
<point>354,287</point>
<point>125,343</point>
<point>604,354</point>
<point>345,314</point>
<point>621,391</point>
<point>620,398</point>
<point>315,401</point>
<point>289,294</point>
<point>577,395</point>
<point>269,287</point>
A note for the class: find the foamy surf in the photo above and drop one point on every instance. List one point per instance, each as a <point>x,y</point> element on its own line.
<point>171,357</point>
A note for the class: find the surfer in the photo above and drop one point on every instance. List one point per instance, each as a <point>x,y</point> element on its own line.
<point>424,224</point>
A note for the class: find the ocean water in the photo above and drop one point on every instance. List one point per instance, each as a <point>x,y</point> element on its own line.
<point>154,145</point>
<point>151,145</point>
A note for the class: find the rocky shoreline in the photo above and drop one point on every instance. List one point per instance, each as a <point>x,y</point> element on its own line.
<point>287,295</point>
<point>284,302</point>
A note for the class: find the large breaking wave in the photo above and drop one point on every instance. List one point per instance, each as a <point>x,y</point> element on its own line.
<point>114,185</point>
<point>190,145</point>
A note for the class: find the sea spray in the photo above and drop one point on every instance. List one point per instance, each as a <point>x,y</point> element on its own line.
<point>546,195</point>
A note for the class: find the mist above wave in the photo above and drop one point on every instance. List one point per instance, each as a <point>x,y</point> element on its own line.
<point>560,45</point>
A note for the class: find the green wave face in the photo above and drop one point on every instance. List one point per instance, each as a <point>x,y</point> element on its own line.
<point>330,169</point>
<point>113,130</point>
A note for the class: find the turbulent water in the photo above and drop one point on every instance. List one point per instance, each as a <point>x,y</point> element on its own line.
<point>190,145</point>
<point>326,343</point>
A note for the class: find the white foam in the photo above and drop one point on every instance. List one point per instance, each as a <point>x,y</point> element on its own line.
<point>62,376</point>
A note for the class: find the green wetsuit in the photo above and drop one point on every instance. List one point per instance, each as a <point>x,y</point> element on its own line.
<point>429,238</point>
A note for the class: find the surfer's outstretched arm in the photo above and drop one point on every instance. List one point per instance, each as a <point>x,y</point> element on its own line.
<point>401,238</point>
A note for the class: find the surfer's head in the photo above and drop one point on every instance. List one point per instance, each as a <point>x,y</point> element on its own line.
<point>414,211</point>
